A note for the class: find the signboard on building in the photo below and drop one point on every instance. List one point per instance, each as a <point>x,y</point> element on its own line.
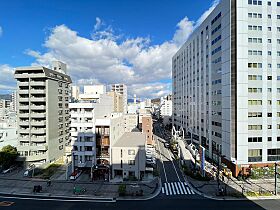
<point>202,160</point>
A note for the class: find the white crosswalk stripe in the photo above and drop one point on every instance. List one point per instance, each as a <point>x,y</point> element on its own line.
<point>176,188</point>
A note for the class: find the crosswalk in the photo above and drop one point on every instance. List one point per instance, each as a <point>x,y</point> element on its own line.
<point>176,188</point>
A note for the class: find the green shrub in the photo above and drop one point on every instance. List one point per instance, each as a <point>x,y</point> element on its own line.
<point>122,189</point>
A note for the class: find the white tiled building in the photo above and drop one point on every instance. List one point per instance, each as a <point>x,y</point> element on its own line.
<point>226,88</point>
<point>122,89</point>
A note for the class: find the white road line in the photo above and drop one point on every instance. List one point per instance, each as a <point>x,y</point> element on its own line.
<point>173,188</point>
<point>162,161</point>
<point>162,190</point>
<point>176,187</point>
<point>181,191</point>
<point>189,192</point>
<point>183,187</point>
<point>169,188</point>
<point>166,190</point>
<point>192,192</point>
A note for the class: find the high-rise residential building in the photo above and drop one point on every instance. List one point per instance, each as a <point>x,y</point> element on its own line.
<point>226,83</point>
<point>166,107</point>
<point>118,101</point>
<point>13,105</point>
<point>75,92</point>
<point>122,89</point>
<point>43,117</point>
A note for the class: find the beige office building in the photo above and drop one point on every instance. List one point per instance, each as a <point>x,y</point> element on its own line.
<point>118,101</point>
<point>43,113</point>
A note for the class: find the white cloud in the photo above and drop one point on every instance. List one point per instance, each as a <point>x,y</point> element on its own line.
<point>105,58</point>
<point>1,31</point>
<point>97,24</point>
<point>7,81</point>
<point>207,12</point>
<point>185,28</point>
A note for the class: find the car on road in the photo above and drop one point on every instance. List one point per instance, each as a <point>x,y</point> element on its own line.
<point>166,145</point>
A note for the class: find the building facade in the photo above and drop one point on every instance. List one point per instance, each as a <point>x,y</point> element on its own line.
<point>226,83</point>
<point>129,156</point>
<point>43,117</point>
<point>122,89</point>
<point>118,101</point>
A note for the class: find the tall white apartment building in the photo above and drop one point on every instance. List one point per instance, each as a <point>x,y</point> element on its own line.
<point>83,125</point>
<point>43,116</point>
<point>166,107</point>
<point>226,83</point>
<point>122,89</point>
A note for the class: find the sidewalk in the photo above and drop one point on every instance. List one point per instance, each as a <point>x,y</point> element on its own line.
<point>65,188</point>
<point>234,189</point>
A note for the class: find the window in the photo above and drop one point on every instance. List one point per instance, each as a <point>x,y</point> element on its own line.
<point>269,77</point>
<point>131,162</point>
<point>269,41</point>
<point>269,138</point>
<point>254,155</point>
<point>269,53</point>
<point>255,139</point>
<point>131,152</point>
<point>254,127</point>
<point>269,90</point>
<point>269,28</point>
<point>269,16</point>
<point>269,127</point>
<point>269,3</point>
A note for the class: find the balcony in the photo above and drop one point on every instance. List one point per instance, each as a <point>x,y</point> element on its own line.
<point>38,115</point>
<point>38,139</point>
<point>38,122</point>
<point>23,91</point>
<point>38,131</point>
<point>38,147</point>
<point>23,83</point>
<point>37,83</point>
<point>34,107</point>
<point>37,91</point>
<point>24,131</point>
<point>23,107</point>
<point>38,99</point>
<point>22,99</point>
<point>24,122</point>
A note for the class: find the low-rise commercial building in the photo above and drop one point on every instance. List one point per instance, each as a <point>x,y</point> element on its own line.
<point>129,156</point>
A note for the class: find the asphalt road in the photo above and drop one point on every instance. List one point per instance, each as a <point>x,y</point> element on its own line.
<point>157,203</point>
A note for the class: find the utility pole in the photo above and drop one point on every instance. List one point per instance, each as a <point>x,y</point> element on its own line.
<point>276,177</point>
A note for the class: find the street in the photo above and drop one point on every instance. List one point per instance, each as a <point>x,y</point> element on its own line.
<point>157,203</point>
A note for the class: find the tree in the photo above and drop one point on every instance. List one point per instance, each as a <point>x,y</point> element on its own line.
<point>8,156</point>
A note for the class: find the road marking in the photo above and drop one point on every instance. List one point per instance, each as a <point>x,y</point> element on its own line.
<point>192,192</point>
<point>179,185</point>
<point>166,190</point>
<point>173,188</point>
<point>187,188</point>
<point>173,165</point>
<point>162,161</point>
<point>183,187</point>
<point>176,187</point>
<point>169,188</point>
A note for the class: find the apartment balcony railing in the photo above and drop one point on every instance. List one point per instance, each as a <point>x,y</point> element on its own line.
<point>37,83</point>
<point>23,91</point>
<point>37,91</point>
<point>40,107</point>
<point>23,99</point>
<point>23,83</point>
<point>38,122</point>
<point>38,139</point>
<point>38,115</point>
<point>38,99</point>
<point>38,131</point>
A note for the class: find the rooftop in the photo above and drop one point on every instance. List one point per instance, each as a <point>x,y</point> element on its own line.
<point>131,139</point>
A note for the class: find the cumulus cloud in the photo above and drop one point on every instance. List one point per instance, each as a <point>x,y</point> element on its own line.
<point>105,58</point>
<point>7,81</point>
<point>207,12</point>
<point>1,31</point>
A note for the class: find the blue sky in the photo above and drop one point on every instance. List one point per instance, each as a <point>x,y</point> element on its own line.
<point>133,38</point>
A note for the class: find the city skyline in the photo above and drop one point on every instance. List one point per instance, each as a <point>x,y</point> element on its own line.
<point>99,46</point>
